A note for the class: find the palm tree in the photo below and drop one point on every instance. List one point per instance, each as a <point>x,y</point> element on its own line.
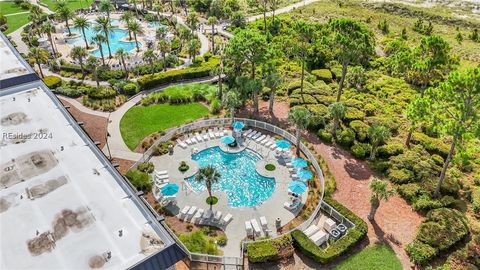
<point>161,33</point>
<point>158,8</point>
<point>301,118</point>
<point>149,56</point>
<point>122,55</point>
<point>136,29</point>
<point>337,112</point>
<point>272,81</point>
<point>39,56</point>
<point>82,23</point>
<point>103,26</point>
<point>106,6</point>
<point>377,134</point>
<point>99,39</point>
<point>232,101</point>
<point>380,192</point>
<point>127,17</point>
<point>35,16</point>
<point>64,13</point>
<point>79,53</point>
<point>48,29</point>
<point>192,21</point>
<point>164,47</point>
<point>92,64</point>
<point>208,176</point>
<point>212,21</point>
<point>193,46</point>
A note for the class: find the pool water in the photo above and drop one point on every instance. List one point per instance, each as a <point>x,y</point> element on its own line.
<point>115,37</point>
<point>239,178</point>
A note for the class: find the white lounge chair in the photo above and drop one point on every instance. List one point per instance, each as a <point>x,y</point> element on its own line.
<point>205,136</point>
<point>263,222</point>
<point>198,215</point>
<point>222,133</point>
<point>273,146</point>
<point>319,237</point>
<point>254,137</point>
<point>193,138</point>
<point>247,132</point>
<point>218,215</point>
<point>251,134</point>
<point>199,137</point>
<point>188,140</point>
<point>291,205</point>
<point>216,131</point>
<point>210,134</point>
<point>259,139</point>
<point>183,213</point>
<point>192,211</point>
<point>227,219</point>
<point>208,214</point>
<point>255,226</point>
<point>161,177</point>
<point>248,228</point>
<point>265,140</point>
<point>311,230</point>
<point>181,143</point>
<point>161,172</point>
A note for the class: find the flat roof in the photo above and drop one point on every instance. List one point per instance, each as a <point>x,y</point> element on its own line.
<point>12,65</point>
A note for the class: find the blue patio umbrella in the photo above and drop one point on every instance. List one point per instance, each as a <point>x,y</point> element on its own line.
<point>238,125</point>
<point>283,144</point>
<point>297,187</point>
<point>227,139</point>
<point>170,189</point>
<point>304,174</point>
<point>299,162</point>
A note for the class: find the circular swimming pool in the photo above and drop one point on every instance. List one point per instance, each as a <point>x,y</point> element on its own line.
<point>239,178</point>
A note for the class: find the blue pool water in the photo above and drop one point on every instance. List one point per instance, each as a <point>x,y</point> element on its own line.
<point>239,178</point>
<point>115,37</point>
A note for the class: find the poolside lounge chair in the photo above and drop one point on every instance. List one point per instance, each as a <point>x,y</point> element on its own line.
<point>311,230</point>
<point>193,138</point>
<point>198,215</point>
<point>227,219</point>
<point>160,172</point>
<point>216,131</point>
<point>256,136</point>
<point>263,222</point>
<point>247,132</point>
<point>198,137</point>
<point>218,216</point>
<point>161,177</point>
<point>222,133</point>
<point>248,228</point>
<point>192,211</point>
<point>208,214</point>
<point>211,134</point>
<point>181,143</point>
<point>250,135</point>
<point>319,237</point>
<point>259,139</point>
<point>205,136</point>
<point>273,145</point>
<point>183,213</point>
<point>188,140</point>
<point>265,140</point>
<point>255,226</point>
<point>292,205</point>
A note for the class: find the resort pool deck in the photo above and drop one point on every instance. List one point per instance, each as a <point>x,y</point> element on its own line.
<point>272,208</point>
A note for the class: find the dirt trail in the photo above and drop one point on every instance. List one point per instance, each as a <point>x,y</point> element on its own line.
<point>396,222</point>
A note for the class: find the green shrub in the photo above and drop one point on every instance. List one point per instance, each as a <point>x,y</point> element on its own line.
<point>432,145</point>
<point>346,137</point>
<point>194,71</point>
<point>400,176</point>
<point>183,167</point>
<point>420,253</point>
<point>360,129</point>
<point>69,92</point>
<point>438,159</point>
<point>389,150</point>
<point>101,93</point>
<point>140,180</point>
<point>130,89</point>
<point>353,114</point>
<point>222,240</point>
<point>361,150</point>
<point>476,200</point>
<point>199,242</point>
<point>425,203</point>
<point>325,135</point>
<point>146,167</point>
<point>268,250</point>
<point>323,74</point>
<point>417,161</point>
<point>161,149</point>
<point>52,82</point>
<point>410,191</point>
<point>215,106</point>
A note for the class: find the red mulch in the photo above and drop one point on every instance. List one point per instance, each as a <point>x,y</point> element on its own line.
<point>124,164</point>
<point>396,222</point>
<point>95,126</point>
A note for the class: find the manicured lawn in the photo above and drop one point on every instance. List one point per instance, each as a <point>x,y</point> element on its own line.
<point>16,21</point>
<point>72,4</point>
<point>378,257</point>
<point>10,7</point>
<point>141,121</point>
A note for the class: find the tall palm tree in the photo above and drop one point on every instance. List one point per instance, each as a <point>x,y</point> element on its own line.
<point>38,56</point>
<point>65,13</point>
<point>337,112</point>
<point>232,101</point>
<point>48,28</point>
<point>136,30</point>
<point>35,16</point>
<point>164,47</point>
<point>103,26</point>
<point>208,176</point>
<point>92,64</point>
<point>79,53</point>
<point>127,17</point>
<point>161,33</point>
<point>212,21</point>
<point>378,134</point>
<point>193,46</point>
<point>301,118</point>
<point>122,55</point>
<point>149,56</point>
<point>272,81</point>
<point>99,39</point>
<point>380,192</point>
<point>82,23</point>
<point>192,21</point>
<point>106,6</point>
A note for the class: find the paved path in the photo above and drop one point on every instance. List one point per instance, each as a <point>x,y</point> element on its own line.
<point>18,13</point>
<point>281,10</point>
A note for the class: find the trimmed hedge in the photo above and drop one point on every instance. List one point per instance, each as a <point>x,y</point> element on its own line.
<point>269,250</point>
<point>476,200</point>
<point>323,74</point>
<point>52,82</point>
<point>432,145</point>
<point>194,71</point>
<point>337,248</point>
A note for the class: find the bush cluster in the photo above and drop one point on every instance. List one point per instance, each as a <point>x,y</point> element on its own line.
<point>52,82</point>
<point>146,167</point>
<point>323,74</point>
<point>476,200</point>
<point>140,180</point>
<point>161,149</point>
<point>268,250</point>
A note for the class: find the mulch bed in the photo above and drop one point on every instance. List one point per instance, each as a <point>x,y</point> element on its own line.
<point>124,164</point>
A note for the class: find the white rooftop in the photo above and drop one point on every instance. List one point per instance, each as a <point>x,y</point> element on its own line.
<point>60,205</point>
<point>10,65</point>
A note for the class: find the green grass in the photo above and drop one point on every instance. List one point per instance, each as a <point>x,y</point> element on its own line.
<point>378,257</point>
<point>200,242</point>
<point>10,8</point>
<point>184,91</point>
<point>72,4</point>
<point>141,121</point>
<point>16,21</point>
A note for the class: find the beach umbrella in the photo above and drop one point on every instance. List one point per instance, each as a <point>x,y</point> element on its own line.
<point>304,174</point>
<point>299,162</point>
<point>227,139</point>
<point>170,189</point>
<point>297,187</point>
<point>283,144</point>
<point>238,125</point>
